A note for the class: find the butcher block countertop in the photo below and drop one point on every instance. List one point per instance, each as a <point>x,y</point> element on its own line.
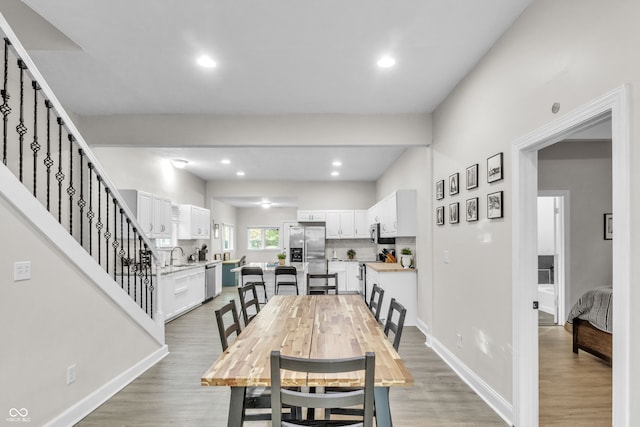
<point>386,267</point>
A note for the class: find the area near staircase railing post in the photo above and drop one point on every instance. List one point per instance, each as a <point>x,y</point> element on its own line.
<point>85,201</point>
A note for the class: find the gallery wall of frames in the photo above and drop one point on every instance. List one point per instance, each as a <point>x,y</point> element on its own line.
<point>450,212</point>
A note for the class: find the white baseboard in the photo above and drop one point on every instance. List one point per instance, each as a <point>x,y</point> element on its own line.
<point>81,409</point>
<point>424,328</point>
<point>501,407</point>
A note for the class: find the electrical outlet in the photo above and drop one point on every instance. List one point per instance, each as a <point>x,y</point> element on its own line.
<point>71,374</point>
<point>459,340</point>
<point>21,271</point>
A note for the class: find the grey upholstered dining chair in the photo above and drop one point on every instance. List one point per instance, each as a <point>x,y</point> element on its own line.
<point>353,397</point>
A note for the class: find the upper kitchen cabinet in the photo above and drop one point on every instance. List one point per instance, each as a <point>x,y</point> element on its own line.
<point>195,222</point>
<point>152,212</point>
<point>397,214</point>
<point>340,224</point>
<point>312,216</point>
<point>361,224</point>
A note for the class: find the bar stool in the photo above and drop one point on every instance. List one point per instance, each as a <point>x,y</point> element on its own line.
<point>290,274</point>
<point>253,275</point>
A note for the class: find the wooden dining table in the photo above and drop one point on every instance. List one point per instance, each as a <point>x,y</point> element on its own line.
<point>309,326</point>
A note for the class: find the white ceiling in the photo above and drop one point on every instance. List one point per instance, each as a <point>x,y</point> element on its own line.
<point>274,57</point>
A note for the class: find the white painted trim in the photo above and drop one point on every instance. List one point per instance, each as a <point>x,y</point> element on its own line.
<point>424,328</point>
<point>524,188</point>
<point>564,273</point>
<point>81,409</point>
<point>492,398</point>
<point>23,201</point>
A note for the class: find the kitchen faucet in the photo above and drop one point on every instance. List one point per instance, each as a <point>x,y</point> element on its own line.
<point>171,258</point>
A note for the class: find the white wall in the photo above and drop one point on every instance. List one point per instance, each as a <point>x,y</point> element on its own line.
<point>567,52</point>
<point>584,169</point>
<point>136,168</point>
<point>56,319</point>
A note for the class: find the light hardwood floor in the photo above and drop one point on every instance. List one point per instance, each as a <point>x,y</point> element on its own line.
<point>575,390</point>
<point>169,394</point>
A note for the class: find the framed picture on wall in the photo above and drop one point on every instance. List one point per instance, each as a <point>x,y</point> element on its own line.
<point>454,188</point>
<point>440,190</point>
<point>454,215</point>
<point>472,209</point>
<point>472,177</point>
<point>440,215</point>
<point>608,226</point>
<point>494,168</point>
<point>494,205</point>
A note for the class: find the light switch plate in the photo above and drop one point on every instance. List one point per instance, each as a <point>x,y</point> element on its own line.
<point>21,271</point>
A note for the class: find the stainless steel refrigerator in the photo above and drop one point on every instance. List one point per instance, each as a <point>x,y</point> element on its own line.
<point>307,244</point>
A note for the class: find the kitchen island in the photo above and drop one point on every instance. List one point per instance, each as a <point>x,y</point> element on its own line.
<point>269,277</point>
<point>399,283</point>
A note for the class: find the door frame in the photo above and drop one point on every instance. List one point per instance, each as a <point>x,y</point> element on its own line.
<point>563,249</point>
<point>524,163</point>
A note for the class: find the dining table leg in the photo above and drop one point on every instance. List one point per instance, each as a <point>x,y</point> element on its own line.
<point>236,407</point>
<point>383,411</point>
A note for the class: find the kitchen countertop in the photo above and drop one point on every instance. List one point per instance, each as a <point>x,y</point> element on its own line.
<point>349,260</point>
<point>186,266</point>
<point>267,267</point>
<point>385,267</point>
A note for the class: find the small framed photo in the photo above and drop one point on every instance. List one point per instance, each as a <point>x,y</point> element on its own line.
<point>454,188</point>
<point>440,215</point>
<point>454,216</point>
<point>608,226</point>
<point>494,205</point>
<point>494,168</point>
<point>440,190</point>
<point>472,177</point>
<point>472,209</point>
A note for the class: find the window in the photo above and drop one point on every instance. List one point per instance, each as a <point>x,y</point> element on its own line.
<point>263,238</point>
<point>227,234</point>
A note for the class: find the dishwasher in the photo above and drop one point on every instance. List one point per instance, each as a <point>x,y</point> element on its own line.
<point>209,282</point>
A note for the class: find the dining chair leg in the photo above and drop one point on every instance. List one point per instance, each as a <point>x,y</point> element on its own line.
<point>236,407</point>
<point>383,412</point>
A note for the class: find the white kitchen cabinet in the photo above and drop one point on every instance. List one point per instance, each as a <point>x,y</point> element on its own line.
<point>181,291</point>
<point>312,216</point>
<point>361,224</point>
<point>152,212</point>
<point>339,268</point>
<point>352,276</point>
<point>194,222</point>
<point>400,284</point>
<point>340,224</point>
<point>398,214</point>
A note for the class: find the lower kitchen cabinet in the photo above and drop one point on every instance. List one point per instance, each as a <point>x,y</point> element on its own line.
<point>347,271</point>
<point>397,283</point>
<point>181,291</point>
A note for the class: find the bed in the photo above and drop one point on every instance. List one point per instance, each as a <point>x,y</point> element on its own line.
<point>590,320</point>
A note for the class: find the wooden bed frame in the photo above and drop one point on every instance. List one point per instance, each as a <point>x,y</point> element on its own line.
<point>588,338</point>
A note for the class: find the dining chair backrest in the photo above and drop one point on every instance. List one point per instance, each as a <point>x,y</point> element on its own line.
<point>355,396</point>
<point>375,303</point>
<point>285,275</point>
<point>234,327</point>
<point>248,298</point>
<point>322,283</point>
<point>396,328</point>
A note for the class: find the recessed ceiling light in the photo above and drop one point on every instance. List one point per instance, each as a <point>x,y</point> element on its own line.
<point>265,204</point>
<point>386,62</point>
<point>206,61</point>
<point>240,173</point>
<point>225,161</point>
<point>179,163</point>
<point>337,163</point>
<point>335,173</point>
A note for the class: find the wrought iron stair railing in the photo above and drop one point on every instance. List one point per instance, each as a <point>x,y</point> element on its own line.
<point>45,151</point>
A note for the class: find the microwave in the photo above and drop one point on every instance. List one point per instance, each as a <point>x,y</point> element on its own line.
<point>374,233</point>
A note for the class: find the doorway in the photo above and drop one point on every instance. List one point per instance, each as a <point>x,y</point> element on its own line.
<point>613,106</point>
